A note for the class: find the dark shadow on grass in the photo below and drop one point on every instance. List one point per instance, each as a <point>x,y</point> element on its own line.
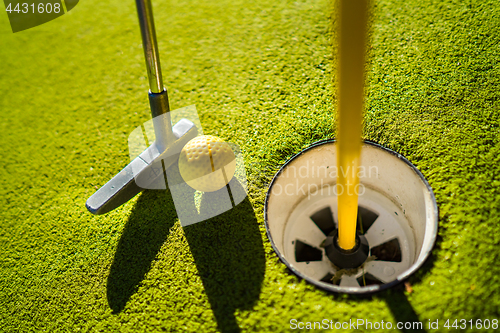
<point>145,231</point>
<point>229,255</point>
<point>398,302</point>
<point>402,310</point>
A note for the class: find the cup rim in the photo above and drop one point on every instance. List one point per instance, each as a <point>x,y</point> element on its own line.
<point>349,290</point>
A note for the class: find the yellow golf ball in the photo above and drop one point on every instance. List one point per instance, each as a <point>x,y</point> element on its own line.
<point>207,163</point>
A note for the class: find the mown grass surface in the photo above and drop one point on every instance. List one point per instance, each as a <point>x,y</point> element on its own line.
<point>261,76</point>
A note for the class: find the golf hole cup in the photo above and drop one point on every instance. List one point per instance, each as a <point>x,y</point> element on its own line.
<point>397,216</point>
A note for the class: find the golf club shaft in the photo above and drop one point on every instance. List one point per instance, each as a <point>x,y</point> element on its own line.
<point>158,97</point>
<point>146,21</point>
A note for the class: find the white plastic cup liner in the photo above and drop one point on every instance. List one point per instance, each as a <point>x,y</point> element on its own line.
<point>397,208</point>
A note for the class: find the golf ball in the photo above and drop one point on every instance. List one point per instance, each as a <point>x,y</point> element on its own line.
<point>207,163</point>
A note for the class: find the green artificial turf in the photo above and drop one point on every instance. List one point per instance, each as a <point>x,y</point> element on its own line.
<point>261,74</point>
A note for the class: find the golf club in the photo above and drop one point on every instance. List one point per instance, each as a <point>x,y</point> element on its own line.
<point>151,164</point>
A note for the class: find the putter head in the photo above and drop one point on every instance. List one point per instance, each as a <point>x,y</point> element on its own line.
<point>144,170</point>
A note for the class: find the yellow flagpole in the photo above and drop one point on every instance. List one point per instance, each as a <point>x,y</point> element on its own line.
<point>352,48</point>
